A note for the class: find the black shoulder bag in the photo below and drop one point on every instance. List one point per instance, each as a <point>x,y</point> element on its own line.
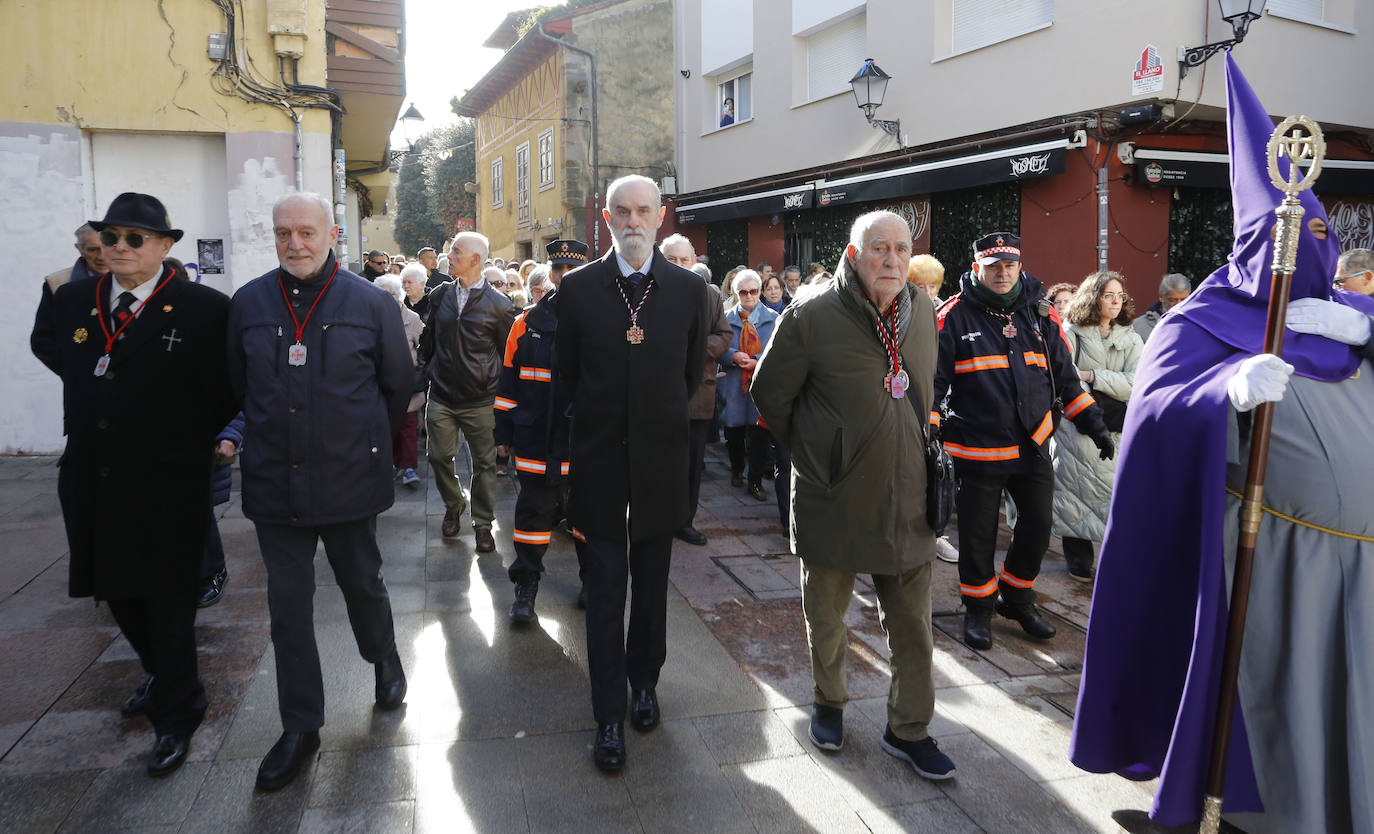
<point>1113,410</point>
<point>940,484</point>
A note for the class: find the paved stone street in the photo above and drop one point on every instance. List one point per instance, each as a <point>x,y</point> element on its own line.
<point>497,730</point>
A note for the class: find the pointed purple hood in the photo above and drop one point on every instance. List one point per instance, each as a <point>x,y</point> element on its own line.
<point>1232,303</point>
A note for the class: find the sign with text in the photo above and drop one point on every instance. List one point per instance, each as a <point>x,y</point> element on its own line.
<point>1149,72</point>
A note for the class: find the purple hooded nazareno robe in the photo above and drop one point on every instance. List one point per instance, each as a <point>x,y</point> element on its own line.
<point>1156,632</point>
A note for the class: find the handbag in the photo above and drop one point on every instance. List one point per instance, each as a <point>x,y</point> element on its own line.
<point>940,485</point>
<point>1113,410</point>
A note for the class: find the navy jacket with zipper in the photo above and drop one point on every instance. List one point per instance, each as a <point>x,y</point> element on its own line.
<point>321,431</point>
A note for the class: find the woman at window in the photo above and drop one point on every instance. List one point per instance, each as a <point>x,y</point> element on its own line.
<point>727,112</point>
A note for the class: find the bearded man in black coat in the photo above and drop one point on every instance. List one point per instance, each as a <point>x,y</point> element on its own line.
<point>145,389</point>
<point>631,341</point>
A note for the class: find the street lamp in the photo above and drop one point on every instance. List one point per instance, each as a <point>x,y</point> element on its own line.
<point>410,129</point>
<point>1238,13</point>
<point>870,85</point>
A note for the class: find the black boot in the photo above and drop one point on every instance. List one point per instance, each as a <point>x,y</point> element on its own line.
<point>522,610</point>
<point>978,628</point>
<point>1029,617</point>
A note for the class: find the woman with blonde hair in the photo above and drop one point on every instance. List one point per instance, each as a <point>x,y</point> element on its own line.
<point>1106,351</point>
<point>926,272</point>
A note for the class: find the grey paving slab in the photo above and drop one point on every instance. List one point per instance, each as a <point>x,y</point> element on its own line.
<point>1095,797</point>
<point>676,785</point>
<point>40,802</point>
<point>80,740</point>
<point>940,815</point>
<point>559,766</point>
<point>861,772</point>
<point>791,794</point>
<point>37,666</point>
<point>747,737</point>
<point>43,603</point>
<point>30,548</point>
<point>942,725</point>
<point>381,818</point>
<point>228,803</point>
<point>127,797</point>
<point>470,786</point>
<point>998,796</point>
<point>372,776</point>
<point>1029,732</point>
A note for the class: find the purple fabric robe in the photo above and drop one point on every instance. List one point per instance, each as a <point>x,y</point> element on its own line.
<point>1156,633</point>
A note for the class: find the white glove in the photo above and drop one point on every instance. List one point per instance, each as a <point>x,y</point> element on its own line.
<point>1327,318</point>
<point>1259,379</point>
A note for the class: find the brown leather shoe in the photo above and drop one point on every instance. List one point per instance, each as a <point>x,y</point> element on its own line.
<point>450,528</point>
<point>485,542</point>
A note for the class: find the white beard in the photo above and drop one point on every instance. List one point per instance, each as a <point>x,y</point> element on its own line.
<point>633,248</point>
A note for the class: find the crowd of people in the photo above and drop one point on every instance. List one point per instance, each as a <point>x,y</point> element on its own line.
<point>599,382</point>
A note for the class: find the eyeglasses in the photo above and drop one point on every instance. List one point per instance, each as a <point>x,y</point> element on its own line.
<point>1113,296</point>
<point>1339,281</point>
<point>134,239</point>
<point>747,292</point>
<point>497,284</point>
<point>380,263</point>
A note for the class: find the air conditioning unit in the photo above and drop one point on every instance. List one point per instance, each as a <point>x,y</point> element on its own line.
<point>668,185</point>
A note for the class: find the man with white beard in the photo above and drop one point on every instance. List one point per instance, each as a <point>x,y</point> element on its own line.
<point>631,342</point>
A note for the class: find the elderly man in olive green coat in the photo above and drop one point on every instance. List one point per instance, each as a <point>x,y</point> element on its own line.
<point>844,385</point>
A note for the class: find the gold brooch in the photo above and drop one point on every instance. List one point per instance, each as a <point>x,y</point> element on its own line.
<point>80,335</point>
<point>166,308</point>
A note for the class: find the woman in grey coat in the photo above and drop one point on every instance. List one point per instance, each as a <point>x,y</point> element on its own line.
<point>1106,351</point>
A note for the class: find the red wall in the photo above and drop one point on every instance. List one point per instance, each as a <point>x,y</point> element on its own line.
<point>1059,223</point>
<point>766,241</point>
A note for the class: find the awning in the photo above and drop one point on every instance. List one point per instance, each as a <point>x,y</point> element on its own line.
<point>1195,169</point>
<point>778,200</point>
<point>1020,162</point>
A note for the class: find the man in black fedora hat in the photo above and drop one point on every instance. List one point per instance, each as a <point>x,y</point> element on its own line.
<point>145,390</point>
<point>531,420</point>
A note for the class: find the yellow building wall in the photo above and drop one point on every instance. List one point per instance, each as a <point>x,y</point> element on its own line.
<point>528,109</point>
<point>123,66</point>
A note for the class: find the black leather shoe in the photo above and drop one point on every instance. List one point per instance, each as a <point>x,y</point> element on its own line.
<point>391,682</point>
<point>284,760</point>
<point>756,490</point>
<point>522,610</point>
<point>211,588</point>
<point>736,479</point>
<point>1080,569</point>
<point>138,702</point>
<point>978,628</point>
<point>644,713</point>
<point>609,750</point>
<point>169,752</point>
<point>1029,618</point>
<point>691,535</point>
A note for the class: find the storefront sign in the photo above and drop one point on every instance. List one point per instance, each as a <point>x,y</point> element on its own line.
<point>1352,221</point>
<point>776,201</point>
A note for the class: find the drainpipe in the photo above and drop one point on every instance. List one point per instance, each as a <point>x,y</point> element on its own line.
<point>596,144</point>
<point>299,156</point>
<point>1103,216</point>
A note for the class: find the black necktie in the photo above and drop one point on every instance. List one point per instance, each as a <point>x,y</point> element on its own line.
<point>634,278</point>
<point>123,309</point>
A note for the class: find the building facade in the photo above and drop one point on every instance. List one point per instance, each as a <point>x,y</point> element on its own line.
<point>1067,122</point>
<point>580,97</point>
<point>217,108</point>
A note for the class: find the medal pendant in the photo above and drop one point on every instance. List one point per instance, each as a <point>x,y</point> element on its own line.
<point>101,364</point>
<point>899,385</point>
<point>1009,331</point>
<point>295,355</point>
<point>635,334</point>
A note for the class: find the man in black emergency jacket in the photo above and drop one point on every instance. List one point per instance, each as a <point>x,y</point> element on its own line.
<point>532,420</point>
<point>1003,362</point>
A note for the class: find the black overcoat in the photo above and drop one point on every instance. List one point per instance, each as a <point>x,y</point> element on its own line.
<point>629,435</point>
<point>135,479</point>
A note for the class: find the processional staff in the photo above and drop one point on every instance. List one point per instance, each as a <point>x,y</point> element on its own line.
<point>1299,139</point>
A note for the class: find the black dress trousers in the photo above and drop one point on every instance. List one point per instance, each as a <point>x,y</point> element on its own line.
<point>615,657</point>
<point>977,504</point>
<point>162,630</point>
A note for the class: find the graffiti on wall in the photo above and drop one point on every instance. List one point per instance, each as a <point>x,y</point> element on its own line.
<point>259,183</point>
<point>1353,223</point>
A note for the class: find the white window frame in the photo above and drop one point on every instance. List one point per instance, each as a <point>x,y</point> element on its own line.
<point>498,183</point>
<point>522,185</point>
<point>841,84</point>
<point>546,178</point>
<point>718,98</point>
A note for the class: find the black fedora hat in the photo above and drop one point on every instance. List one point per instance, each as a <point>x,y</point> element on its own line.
<point>138,211</point>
